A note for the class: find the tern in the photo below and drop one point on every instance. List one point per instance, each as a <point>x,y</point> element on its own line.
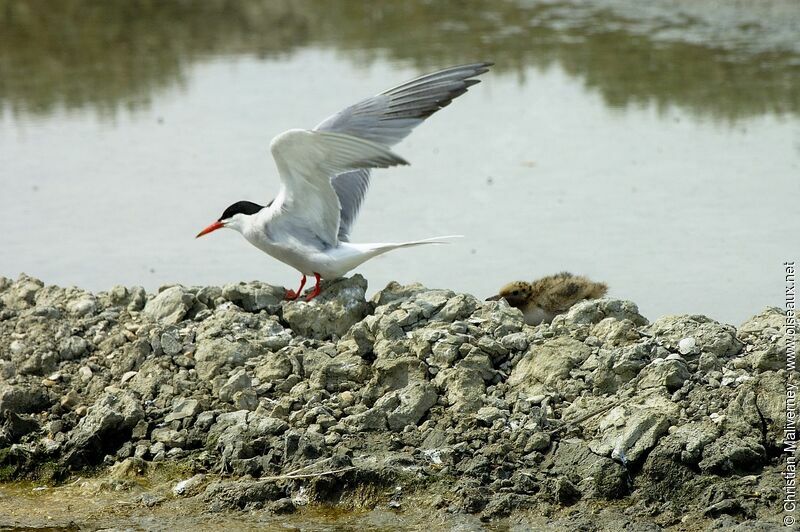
<point>545,298</point>
<point>325,173</point>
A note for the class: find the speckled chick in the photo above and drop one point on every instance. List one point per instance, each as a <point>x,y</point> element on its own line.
<point>545,298</point>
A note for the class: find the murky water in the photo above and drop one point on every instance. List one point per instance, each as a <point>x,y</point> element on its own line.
<point>94,505</point>
<point>656,147</point>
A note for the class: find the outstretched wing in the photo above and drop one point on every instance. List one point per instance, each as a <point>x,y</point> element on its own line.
<point>387,119</point>
<point>307,161</point>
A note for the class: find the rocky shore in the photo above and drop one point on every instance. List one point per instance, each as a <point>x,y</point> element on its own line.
<point>416,399</point>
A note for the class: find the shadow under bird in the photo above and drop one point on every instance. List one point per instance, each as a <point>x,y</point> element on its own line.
<point>325,174</point>
<point>545,298</point>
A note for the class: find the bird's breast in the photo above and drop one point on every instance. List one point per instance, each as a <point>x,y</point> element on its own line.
<point>289,250</point>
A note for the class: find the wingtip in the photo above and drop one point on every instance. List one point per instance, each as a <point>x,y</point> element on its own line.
<point>448,236</point>
<point>399,161</point>
<point>482,67</point>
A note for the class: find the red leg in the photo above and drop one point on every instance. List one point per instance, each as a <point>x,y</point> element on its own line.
<point>316,290</point>
<point>291,295</point>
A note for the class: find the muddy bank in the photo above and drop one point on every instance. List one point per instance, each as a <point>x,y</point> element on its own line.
<point>232,400</point>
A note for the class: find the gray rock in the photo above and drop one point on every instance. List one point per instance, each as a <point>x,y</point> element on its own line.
<point>396,373</point>
<point>595,310</point>
<point>629,432</point>
<point>768,358</point>
<point>771,318</point>
<point>148,381</point>
<point>265,425</point>
<point>118,295</point>
<point>73,347</point>
<point>669,373</point>
<point>538,441</point>
<point>7,369</point>
<point>414,401</point>
<point>614,332</point>
<point>254,296</point>
<point>768,391</point>
<point>603,477</point>
<point>246,399</point>
<point>22,293</point>
<point>276,367</point>
<point>497,319</point>
<point>515,341</point>
<point>103,428</point>
<point>479,362</point>
<point>464,389</point>
<point>230,434</point>
<point>39,363</point>
<point>139,431</point>
<point>394,291</point>
<point>240,495</point>
<point>169,437</point>
<point>725,506</point>
<point>183,408</point>
<point>373,419</point>
<point>687,346</point>
<point>709,336</point>
<point>282,506</point>
<point>443,354</point>
<point>708,362</point>
<point>733,453</point>
<point>340,371</point>
<point>566,492</point>
<point>235,383</point>
<point>489,414</point>
<point>170,343</point>
<point>416,309</point>
<point>684,444</point>
<point>458,307</point>
<point>171,305</point>
<point>19,400</point>
<point>212,355</point>
<point>341,304</point>
<point>544,366</point>
<point>84,305</point>
<point>137,299</point>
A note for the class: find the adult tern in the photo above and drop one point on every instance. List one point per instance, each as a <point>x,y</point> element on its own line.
<point>325,173</point>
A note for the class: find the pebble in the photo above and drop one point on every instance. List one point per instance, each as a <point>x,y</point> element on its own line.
<point>687,345</point>
<point>85,373</point>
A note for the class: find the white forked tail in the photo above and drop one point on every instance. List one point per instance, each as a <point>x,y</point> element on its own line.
<point>351,255</point>
<point>379,249</point>
<point>432,240</point>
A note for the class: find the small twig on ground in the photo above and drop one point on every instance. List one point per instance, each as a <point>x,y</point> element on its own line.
<point>584,417</point>
<point>309,466</point>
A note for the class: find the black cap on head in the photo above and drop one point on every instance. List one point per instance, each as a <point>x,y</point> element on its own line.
<point>241,207</point>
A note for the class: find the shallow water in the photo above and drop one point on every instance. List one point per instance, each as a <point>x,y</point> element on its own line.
<point>93,505</point>
<point>656,148</point>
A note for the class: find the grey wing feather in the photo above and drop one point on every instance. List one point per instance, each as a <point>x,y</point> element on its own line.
<point>387,119</point>
<point>350,187</point>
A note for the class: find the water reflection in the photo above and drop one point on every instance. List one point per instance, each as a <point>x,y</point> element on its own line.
<point>113,54</point>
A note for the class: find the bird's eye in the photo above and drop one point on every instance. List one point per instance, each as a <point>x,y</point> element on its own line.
<point>515,293</point>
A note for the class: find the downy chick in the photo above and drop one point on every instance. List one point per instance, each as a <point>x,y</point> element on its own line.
<point>543,299</point>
